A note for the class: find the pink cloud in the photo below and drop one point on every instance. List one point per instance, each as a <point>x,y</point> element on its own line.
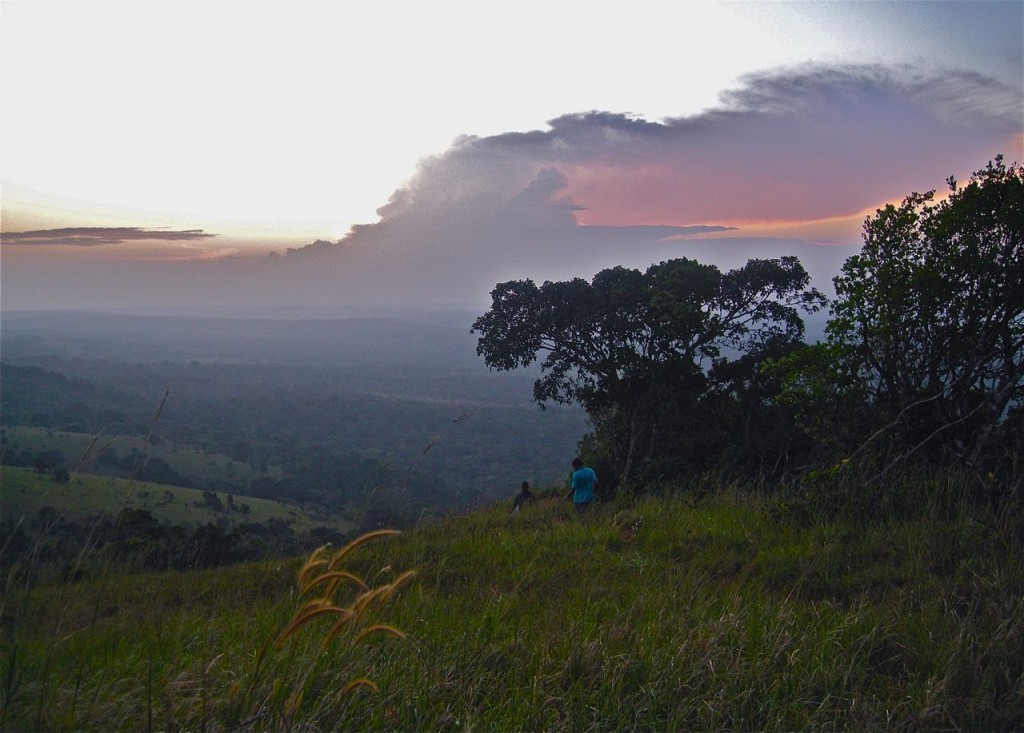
<point>806,145</point>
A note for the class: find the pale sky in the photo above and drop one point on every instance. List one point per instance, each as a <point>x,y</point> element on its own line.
<point>217,128</point>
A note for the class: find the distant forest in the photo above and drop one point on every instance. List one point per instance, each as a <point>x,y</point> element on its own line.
<point>370,418</point>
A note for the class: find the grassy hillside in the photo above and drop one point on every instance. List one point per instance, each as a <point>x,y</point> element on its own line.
<point>209,469</point>
<point>24,492</point>
<point>663,614</point>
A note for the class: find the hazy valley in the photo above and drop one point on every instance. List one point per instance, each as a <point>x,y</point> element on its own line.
<point>393,415</point>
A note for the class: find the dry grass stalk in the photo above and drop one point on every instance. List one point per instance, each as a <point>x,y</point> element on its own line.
<point>321,574</point>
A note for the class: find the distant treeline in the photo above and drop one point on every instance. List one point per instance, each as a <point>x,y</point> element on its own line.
<point>296,432</point>
<point>136,540</point>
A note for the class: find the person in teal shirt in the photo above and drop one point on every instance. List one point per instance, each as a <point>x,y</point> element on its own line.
<point>584,482</point>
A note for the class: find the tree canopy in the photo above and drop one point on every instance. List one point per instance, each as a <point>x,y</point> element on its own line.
<point>930,314</point>
<point>632,346</point>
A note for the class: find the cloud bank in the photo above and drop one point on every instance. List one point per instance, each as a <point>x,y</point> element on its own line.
<point>788,149</point>
<point>805,145</point>
<point>814,143</point>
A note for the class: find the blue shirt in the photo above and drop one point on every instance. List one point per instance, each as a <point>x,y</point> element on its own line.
<point>583,482</point>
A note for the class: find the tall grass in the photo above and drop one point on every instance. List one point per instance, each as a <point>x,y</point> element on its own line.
<point>666,613</point>
<point>172,651</point>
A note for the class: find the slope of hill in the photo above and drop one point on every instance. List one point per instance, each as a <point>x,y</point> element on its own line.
<point>24,493</point>
<point>115,455</point>
<point>666,614</point>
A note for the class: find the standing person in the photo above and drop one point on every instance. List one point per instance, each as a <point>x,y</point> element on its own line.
<point>523,497</point>
<point>584,482</point>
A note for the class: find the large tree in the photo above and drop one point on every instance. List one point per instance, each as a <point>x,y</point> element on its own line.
<point>633,346</point>
<point>930,314</point>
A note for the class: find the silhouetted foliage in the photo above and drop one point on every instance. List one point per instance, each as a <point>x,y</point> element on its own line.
<point>929,317</point>
<point>639,351</point>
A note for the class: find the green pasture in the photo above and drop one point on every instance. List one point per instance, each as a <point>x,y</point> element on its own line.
<point>25,492</point>
<point>81,450</point>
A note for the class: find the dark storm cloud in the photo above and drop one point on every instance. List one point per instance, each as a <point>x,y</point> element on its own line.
<point>98,236</point>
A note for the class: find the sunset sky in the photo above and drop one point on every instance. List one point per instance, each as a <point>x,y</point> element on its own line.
<point>154,153</point>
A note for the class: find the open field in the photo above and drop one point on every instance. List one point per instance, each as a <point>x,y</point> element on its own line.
<point>84,496</point>
<point>82,450</point>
